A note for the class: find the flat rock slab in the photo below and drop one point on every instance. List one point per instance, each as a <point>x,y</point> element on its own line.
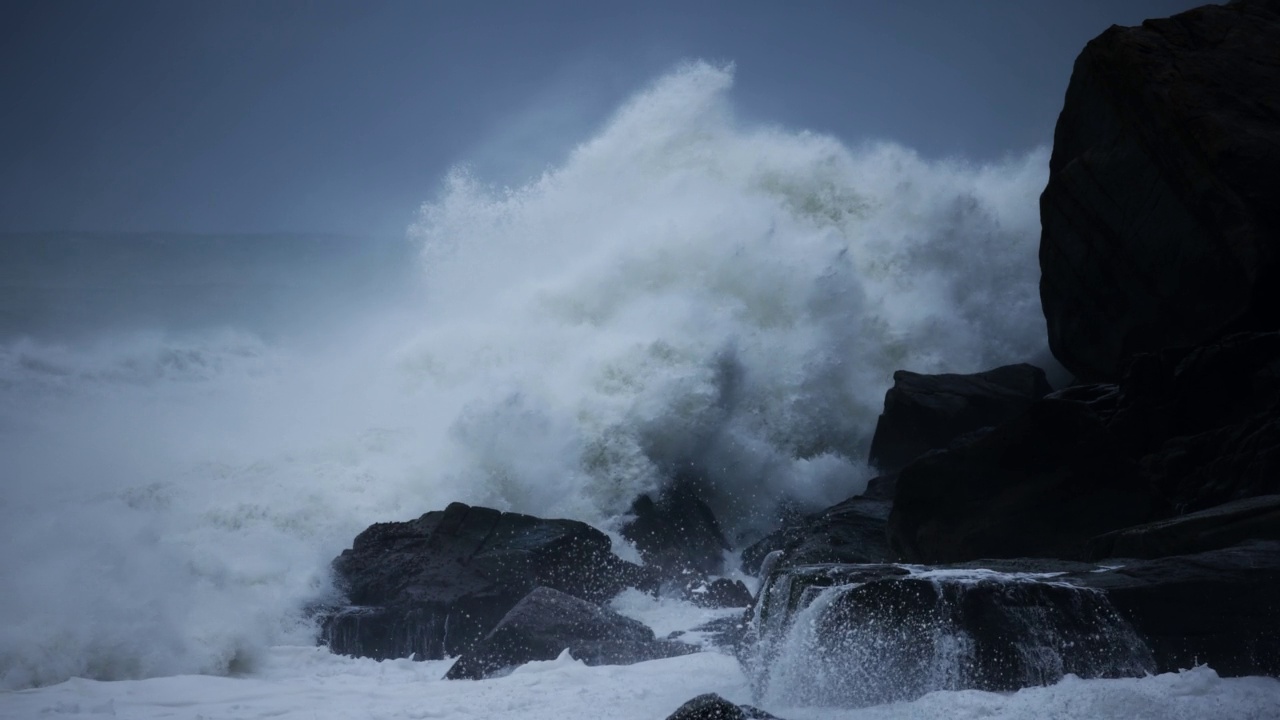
<point>1218,527</point>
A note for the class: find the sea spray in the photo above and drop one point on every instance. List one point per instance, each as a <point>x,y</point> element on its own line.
<point>683,295</point>
<point>688,296</point>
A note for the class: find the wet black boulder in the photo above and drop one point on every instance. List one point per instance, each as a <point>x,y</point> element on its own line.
<point>433,586</point>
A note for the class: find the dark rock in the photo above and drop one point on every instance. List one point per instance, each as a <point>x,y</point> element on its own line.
<point>1219,527</point>
<point>721,593</point>
<point>1038,486</point>
<point>714,707</point>
<point>1162,212</point>
<point>882,487</point>
<point>431,587</point>
<point>1219,608</point>
<point>864,634</point>
<point>1183,431</point>
<point>852,531</point>
<point>873,634</point>
<point>926,412</point>
<point>547,622</point>
<point>1205,422</point>
<point>677,534</point>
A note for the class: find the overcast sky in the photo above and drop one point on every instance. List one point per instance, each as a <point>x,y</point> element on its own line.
<point>342,117</point>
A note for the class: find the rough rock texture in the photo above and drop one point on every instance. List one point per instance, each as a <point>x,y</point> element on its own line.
<point>1205,422</point>
<point>1161,218</point>
<point>547,622</point>
<point>433,586</point>
<point>1219,527</point>
<point>926,412</point>
<point>1041,485</point>
<point>1183,431</point>
<point>852,531</point>
<point>713,707</point>
<point>1219,608</point>
<point>677,533</point>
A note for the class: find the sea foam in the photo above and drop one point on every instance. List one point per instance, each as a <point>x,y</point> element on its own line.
<point>684,297</point>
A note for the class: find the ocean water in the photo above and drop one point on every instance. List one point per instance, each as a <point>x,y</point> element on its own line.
<point>191,428</point>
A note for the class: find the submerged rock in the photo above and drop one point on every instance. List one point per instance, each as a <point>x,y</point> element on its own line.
<point>1161,218</point>
<point>547,622</point>
<point>926,412</point>
<point>433,586</point>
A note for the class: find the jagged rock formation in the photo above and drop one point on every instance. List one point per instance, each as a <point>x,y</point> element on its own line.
<point>1161,219</point>
<point>926,412</point>
<point>1182,431</point>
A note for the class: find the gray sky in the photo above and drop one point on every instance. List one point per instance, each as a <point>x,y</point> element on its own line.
<point>342,117</point>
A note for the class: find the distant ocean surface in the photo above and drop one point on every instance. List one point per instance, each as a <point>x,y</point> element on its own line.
<point>71,286</point>
<point>192,427</point>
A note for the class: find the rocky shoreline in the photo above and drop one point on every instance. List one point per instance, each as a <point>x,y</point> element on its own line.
<point>1126,524</point>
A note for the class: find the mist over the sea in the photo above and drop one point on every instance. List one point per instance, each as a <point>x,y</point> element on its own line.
<point>685,296</point>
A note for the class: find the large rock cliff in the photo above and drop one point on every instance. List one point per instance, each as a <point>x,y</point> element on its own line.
<point>1161,219</point>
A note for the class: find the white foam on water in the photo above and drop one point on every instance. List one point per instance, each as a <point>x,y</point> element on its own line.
<point>303,683</point>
